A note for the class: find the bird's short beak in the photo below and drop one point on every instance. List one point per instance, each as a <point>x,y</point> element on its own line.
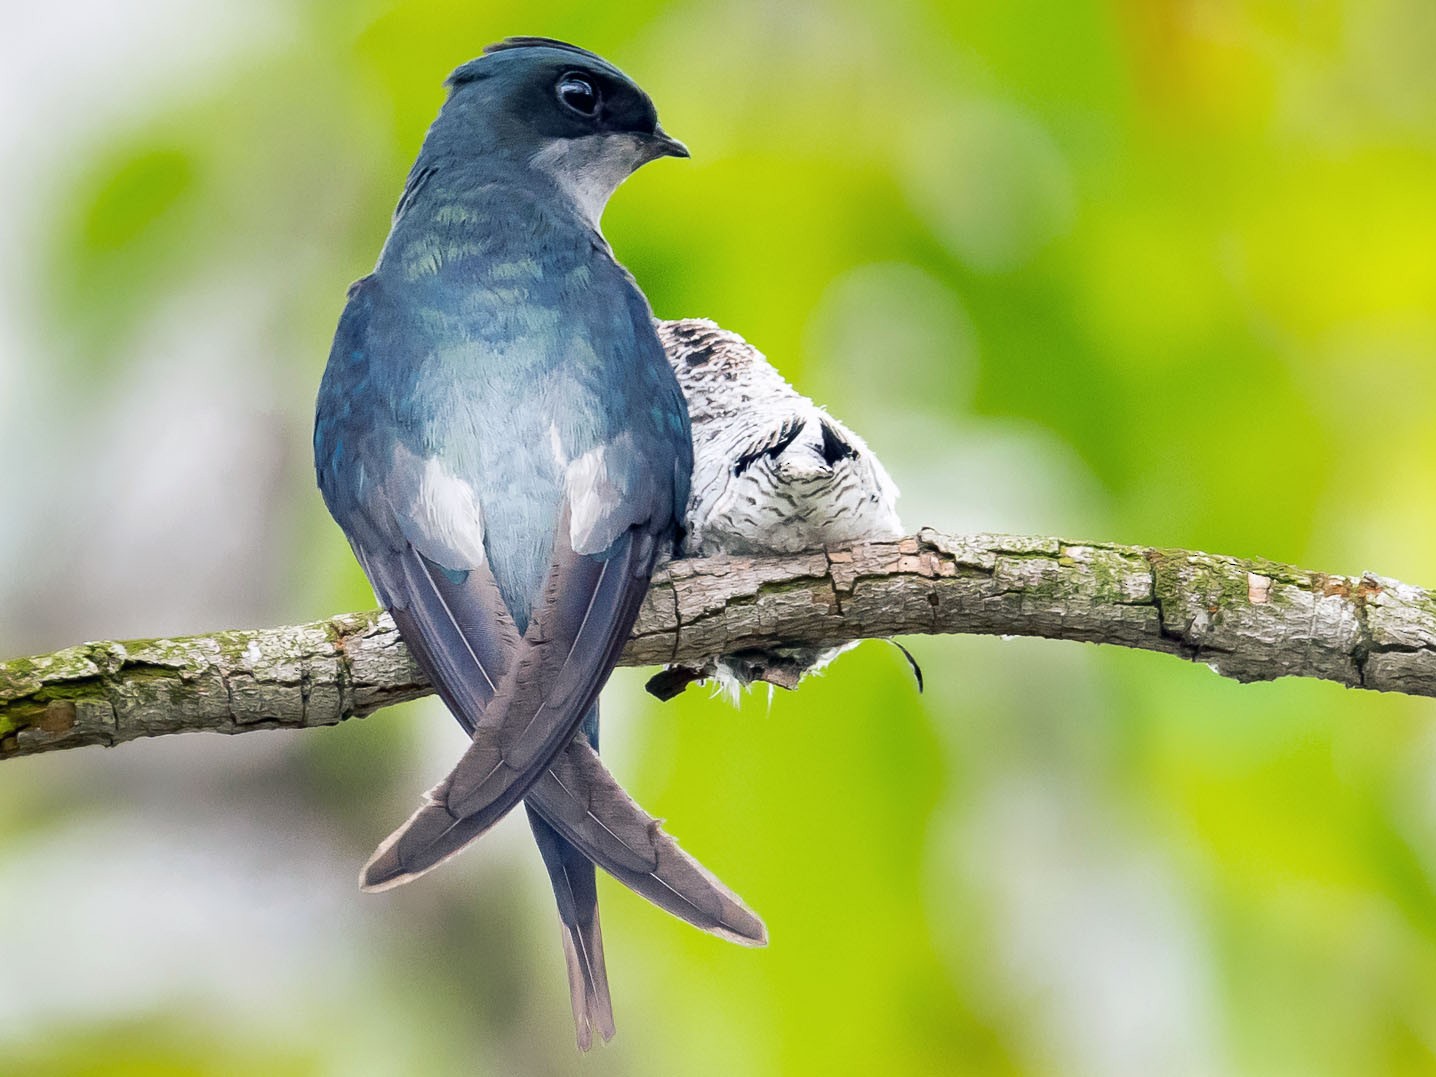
<point>665,145</point>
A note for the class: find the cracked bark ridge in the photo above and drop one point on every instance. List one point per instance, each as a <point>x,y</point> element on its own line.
<point>1247,619</point>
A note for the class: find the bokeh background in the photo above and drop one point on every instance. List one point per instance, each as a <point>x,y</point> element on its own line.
<point>1158,271</point>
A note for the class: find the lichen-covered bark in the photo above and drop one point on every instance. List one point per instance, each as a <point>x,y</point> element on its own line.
<point>1250,620</point>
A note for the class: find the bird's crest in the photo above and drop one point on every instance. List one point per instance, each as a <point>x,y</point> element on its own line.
<point>535,42</point>
<point>476,69</point>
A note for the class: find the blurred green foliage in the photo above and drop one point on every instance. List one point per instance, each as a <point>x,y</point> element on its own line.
<point>1156,271</point>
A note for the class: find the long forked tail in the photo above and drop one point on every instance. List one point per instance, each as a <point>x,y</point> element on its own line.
<point>574,886</point>
<point>582,801</point>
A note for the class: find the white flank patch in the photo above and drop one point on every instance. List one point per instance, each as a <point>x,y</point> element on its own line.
<point>589,493</point>
<point>593,497</point>
<point>444,520</point>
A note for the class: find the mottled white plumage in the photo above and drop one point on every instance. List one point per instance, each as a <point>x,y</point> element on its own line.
<point>773,473</point>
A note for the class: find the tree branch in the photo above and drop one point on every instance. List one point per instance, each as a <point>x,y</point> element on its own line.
<point>1250,620</point>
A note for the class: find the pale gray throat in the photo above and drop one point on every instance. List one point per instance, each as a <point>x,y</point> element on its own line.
<point>589,169</point>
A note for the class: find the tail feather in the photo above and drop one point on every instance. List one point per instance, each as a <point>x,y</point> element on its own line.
<point>575,888</point>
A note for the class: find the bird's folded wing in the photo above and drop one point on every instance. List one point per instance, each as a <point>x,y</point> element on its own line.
<point>583,802</point>
<point>461,635</point>
<point>583,619</point>
<point>580,799</point>
<point>456,625</point>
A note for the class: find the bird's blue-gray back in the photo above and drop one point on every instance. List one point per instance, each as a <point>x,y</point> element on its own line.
<point>500,366</point>
<point>506,411</point>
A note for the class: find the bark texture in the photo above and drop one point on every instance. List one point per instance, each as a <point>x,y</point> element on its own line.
<point>1247,619</point>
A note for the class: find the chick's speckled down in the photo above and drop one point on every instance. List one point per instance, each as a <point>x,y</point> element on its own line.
<point>773,473</point>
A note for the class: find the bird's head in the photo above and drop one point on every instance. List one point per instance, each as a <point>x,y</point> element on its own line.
<point>562,111</point>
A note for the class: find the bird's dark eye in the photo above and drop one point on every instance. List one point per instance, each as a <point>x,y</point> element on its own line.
<point>579,94</point>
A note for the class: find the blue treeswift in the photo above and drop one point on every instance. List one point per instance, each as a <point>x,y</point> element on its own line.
<point>502,440</point>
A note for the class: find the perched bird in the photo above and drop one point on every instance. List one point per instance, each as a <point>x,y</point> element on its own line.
<point>773,473</point>
<point>500,437</point>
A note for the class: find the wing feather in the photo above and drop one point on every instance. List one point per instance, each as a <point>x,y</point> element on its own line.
<point>586,613</point>
<point>456,624</point>
<point>582,802</point>
<point>580,799</point>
